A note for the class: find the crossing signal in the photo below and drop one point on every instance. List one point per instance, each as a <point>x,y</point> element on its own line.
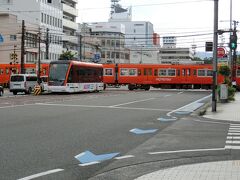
<point>233,41</point>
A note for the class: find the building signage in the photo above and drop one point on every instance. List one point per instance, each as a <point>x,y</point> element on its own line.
<point>221,52</point>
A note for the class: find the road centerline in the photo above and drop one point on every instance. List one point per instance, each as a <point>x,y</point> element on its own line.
<point>132,102</point>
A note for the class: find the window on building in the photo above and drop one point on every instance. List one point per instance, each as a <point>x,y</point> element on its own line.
<point>13,37</point>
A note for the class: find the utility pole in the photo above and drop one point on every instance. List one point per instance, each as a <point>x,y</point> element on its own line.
<point>233,47</point>
<point>215,44</point>
<point>23,47</point>
<point>80,47</point>
<point>47,44</point>
<point>230,50</point>
<point>39,56</point>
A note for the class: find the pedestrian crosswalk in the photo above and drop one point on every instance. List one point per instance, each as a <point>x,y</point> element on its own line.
<point>233,137</point>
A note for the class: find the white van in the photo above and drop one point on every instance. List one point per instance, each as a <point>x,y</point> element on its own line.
<point>22,83</point>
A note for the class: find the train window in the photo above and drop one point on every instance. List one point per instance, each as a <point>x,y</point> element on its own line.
<point>124,72</point>
<point>1,71</point>
<point>162,72</point>
<point>238,72</point>
<point>132,72</point>
<point>167,72</point>
<point>7,71</point>
<point>155,72</point>
<point>209,73</point>
<point>188,72</point>
<point>171,72</point>
<point>201,72</point>
<point>108,72</point>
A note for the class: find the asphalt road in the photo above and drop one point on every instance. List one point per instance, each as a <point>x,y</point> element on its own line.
<point>41,135</point>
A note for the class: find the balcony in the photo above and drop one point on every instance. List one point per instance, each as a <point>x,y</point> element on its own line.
<point>69,24</point>
<point>70,10</point>
<point>71,39</point>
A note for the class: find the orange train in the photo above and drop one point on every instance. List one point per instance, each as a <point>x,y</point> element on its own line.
<point>144,76</point>
<point>7,69</point>
<point>141,76</point>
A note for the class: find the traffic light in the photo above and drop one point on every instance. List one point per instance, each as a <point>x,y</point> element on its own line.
<point>208,46</point>
<point>233,41</point>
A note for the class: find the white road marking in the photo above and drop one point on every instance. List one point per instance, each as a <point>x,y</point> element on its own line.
<point>234,134</point>
<point>132,102</point>
<point>41,174</point>
<point>233,137</point>
<point>124,157</point>
<point>232,142</point>
<point>235,125</point>
<point>180,93</point>
<point>89,164</point>
<point>146,109</point>
<point>211,122</point>
<point>236,128</point>
<point>188,150</point>
<point>234,131</point>
<point>232,147</point>
<point>110,107</point>
<point>12,106</point>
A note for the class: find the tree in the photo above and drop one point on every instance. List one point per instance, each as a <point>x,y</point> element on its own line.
<point>67,55</point>
<point>208,60</point>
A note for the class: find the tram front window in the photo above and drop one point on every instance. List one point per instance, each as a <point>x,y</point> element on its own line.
<point>57,74</point>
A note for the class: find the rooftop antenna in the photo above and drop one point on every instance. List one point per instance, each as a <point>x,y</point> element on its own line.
<point>113,5</point>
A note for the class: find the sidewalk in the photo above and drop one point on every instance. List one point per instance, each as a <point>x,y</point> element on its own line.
<point>228,170</point>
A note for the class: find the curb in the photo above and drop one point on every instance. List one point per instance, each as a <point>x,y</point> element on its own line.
<point>202,110</point>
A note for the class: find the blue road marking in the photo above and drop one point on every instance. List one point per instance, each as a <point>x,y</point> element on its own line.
<point>89,157</point>
<point>183,112</point>
<point>141,131</point>
<point>167,119</point>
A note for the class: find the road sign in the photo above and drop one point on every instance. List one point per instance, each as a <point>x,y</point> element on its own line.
<point>221,52</point>
<point>37,90</point>
<point>97,57</point>
<point>1,39</point>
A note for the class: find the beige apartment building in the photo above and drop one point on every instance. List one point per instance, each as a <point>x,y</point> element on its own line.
<point>10,43</point>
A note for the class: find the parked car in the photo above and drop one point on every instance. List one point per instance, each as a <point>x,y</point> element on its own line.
<point>1,91</point>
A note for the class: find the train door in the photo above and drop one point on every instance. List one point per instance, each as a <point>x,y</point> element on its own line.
<point>186,77</point>
<point>147,73</point>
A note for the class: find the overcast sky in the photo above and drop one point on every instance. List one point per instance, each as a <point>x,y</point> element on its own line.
<point>169,17</point>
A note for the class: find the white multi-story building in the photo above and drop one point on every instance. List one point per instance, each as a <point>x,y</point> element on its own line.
<point>45,16</point>
<point>176,55</point>
<point>136,32</point>
<point>70,27</point>
<point>53,18</point>
<point>112,42</point>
